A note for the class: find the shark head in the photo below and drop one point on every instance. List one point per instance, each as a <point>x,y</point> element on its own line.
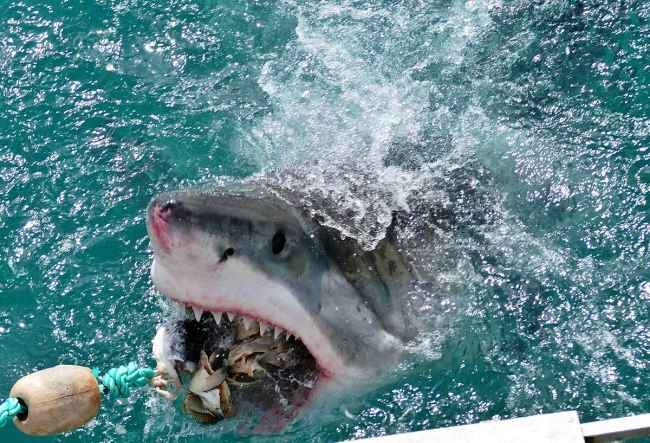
<point>248,251</point>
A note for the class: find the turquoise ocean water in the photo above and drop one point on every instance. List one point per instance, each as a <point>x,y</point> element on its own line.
<point>104,103</point>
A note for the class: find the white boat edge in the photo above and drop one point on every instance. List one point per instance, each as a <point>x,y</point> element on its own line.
<point>559,427</point>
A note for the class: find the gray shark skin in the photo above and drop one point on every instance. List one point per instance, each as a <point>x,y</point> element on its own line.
<point>258,250</point>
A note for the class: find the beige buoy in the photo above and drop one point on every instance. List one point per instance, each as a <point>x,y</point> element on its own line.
<point>58,399</point>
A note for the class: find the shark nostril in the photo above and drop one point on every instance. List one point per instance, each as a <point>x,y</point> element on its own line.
<point>168,206</point>
<point>227,253</point>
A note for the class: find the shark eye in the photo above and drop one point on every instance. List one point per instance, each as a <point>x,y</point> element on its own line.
<point>278,242</point>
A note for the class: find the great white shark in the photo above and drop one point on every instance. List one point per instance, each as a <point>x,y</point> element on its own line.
<point>262,252</point>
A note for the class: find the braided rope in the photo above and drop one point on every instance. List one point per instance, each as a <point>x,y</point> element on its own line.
<point>9,409</point>
<point>118,381</point>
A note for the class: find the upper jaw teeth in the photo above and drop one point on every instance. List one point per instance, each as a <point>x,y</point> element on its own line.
<point>248,322</point>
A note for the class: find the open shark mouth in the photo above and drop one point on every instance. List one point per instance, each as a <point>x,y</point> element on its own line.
<point>232,364</point>
<point>229,284</point>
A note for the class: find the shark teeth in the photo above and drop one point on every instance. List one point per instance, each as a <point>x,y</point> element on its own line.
<point>248,322</point>
<point>295,337</point>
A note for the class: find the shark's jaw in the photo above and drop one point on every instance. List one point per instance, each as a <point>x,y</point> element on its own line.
<point>279,319</point>
<point>190,270</point>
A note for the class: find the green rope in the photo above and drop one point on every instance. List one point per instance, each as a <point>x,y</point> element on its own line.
<point>118,381</point>
<point>9,409</point>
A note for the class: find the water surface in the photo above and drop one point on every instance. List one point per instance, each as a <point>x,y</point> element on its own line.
<point>104,103</point>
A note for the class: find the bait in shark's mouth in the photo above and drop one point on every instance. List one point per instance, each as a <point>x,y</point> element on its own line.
<point>226,362</point>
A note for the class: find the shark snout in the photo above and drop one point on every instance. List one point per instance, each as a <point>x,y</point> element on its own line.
<point>169,208</point>
<point>160,215</point>
<point>175,220</point>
